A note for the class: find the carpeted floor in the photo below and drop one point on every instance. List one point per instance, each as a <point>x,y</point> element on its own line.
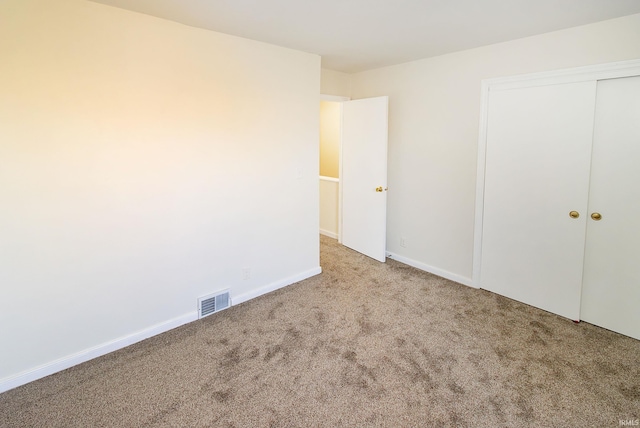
<point>362,344</point>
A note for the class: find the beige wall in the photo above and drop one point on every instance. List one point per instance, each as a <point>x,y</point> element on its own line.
<point>434,107</point>
<point>143,164</point>
<point>329,194</point>
<point>329,139</point>
<point>335,83</point>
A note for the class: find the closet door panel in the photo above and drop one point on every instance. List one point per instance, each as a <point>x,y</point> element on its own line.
<point>537,171</point>
<point>611,288</point>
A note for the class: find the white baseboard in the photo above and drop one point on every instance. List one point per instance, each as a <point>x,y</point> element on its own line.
<point>102,349</point>
<point>436,271</point>
<point>275,285</point>
<point>91,353</point>
<point>328,233</point>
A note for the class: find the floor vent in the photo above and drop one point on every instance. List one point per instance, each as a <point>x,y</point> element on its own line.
<point>213,303</point>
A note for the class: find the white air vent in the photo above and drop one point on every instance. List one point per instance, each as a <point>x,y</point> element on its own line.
<point>213,303</point>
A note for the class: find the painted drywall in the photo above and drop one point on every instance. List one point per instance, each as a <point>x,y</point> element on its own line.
<point>335,83</point>
<point>434,108</point>
<point>329,207</point>
<point>330,138</point>
<point>143,163</point>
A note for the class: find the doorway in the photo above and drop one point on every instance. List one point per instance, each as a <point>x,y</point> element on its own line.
<point>353,178</point>
<point>330,164</point>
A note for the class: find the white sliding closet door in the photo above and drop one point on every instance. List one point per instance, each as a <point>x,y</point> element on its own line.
<point>611,290</point>
<point>537,171</point>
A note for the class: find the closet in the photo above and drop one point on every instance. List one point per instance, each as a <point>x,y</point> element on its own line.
<point>558,214</point>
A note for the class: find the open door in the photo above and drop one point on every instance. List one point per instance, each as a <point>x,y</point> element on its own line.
<point>364,176</point>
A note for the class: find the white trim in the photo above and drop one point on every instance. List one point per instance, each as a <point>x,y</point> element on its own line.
<point>482,156</point>
<point>334,98</point>
<point>275,286</point>
<point>94,352</point>
<point>570,75</point>
<point>328,233</point>
<point>611,70</point>
<point>434,270</point>
<point>114,345</point>
<point>341,175</point>
<point>332,179</point>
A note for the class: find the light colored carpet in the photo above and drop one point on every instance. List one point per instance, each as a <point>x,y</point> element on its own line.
<point>363,344</point>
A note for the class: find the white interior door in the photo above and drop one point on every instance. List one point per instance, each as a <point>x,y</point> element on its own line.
<point>611,288</point>
<point>537,171</point>
<point>364,176</point>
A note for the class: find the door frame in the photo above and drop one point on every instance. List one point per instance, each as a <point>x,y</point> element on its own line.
<point>571,75</point>
<point>338,99</point>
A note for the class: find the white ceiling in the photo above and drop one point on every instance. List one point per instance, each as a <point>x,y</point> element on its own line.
<point>357,35</point>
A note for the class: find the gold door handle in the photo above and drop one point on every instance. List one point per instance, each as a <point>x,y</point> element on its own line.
<point>379,189</point>
<point>574,214</point>
<point>596,216</point>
